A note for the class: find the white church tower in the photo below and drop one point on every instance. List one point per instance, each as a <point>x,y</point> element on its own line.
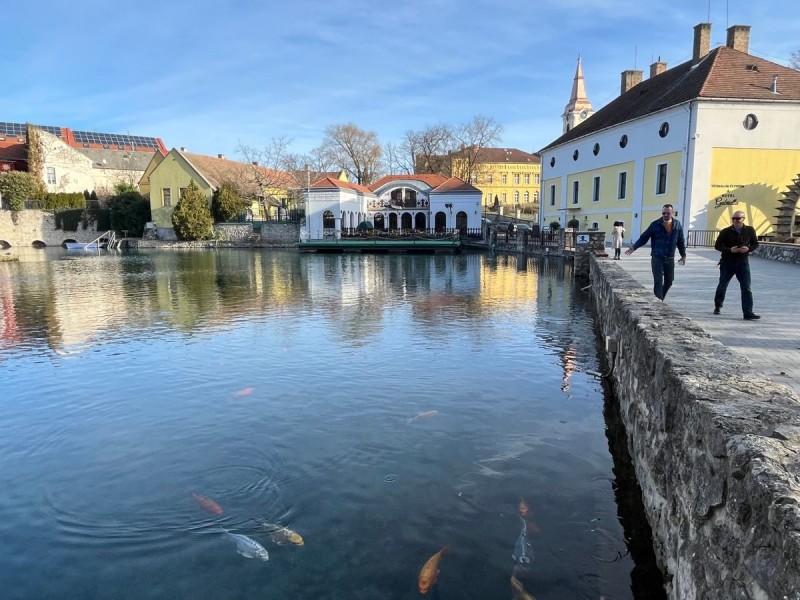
<point>578,108</point>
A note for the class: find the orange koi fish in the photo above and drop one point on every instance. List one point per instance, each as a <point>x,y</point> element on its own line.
<point>430,571</point>
<point>207,504</point>
<point>524,509</point>
<point>245,392</point>
<point>518,591</point>
<point>423,415</point>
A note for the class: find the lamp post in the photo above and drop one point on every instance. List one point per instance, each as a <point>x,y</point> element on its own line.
<point>449,207</point>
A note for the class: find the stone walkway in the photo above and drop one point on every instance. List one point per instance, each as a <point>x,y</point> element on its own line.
<point>772,344</point>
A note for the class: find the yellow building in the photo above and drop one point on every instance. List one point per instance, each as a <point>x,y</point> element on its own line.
<point>509,179</point>
<point>711,136</point>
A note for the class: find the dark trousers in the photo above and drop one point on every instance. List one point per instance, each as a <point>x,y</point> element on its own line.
<point>740,268</point>
<point>663,274</point>
<point>616,252</point>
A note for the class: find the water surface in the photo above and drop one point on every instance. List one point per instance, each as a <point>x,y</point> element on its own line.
<point>287,389</point>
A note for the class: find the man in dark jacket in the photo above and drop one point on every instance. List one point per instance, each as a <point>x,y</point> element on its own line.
<point>665,234</point>
<point>736,243</point>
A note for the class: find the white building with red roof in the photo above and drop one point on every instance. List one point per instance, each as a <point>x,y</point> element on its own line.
<point>393,203</point>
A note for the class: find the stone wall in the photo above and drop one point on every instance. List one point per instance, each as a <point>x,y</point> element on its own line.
<point>20,229</point>
<point>716,447</point>
<point>781,252</point>
<point>280,234</point>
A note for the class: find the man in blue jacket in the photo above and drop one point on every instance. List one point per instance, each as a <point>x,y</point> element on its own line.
<point>664,234</point>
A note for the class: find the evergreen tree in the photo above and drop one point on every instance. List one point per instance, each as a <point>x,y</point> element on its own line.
<point>191,217</point>
<point>16,187</point>
<point>226,202</point>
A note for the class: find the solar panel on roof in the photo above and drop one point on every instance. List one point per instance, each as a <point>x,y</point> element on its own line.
<point>20,129</point>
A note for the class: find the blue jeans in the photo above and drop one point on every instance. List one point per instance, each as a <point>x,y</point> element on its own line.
<point>663,274</point>
<point>740,268</point>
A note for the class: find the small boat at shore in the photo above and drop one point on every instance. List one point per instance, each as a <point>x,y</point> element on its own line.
<point>82,245</point>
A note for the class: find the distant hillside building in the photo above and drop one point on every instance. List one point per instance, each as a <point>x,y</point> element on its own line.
<point>711,136</point>
<point>74,161</point>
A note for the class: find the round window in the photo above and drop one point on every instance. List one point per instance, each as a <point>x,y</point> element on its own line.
<point>664,129</point>
<point>623,141</point>
<point>553,161</point>
<point>750,122</point>
<point>596,149</point>
<point>575,155</point>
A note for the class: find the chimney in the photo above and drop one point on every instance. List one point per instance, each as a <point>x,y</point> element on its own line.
<point>702,41</point>
<point>739,38</point>
<point>222,156</point>
<point>629,79</point>
<point>183,148</point>
<point>657,68</point>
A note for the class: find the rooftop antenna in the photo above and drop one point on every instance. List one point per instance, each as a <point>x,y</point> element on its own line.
<point>635,55</point>
<point>709,12</point>
<point>726,14</point>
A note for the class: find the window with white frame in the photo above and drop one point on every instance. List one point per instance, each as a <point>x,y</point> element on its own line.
<point>504,196</point>
<point>51,175</point>
<point>526,197</point>
<point>536,179</point>
<point>489,178</point>
<point>166,196</point>
<point>575,190</point>
<point>552,195</point>
<point>661,179</point>
<point>516,178</point>
<point>622,185</point>
<point>504,178</point>
<point>527,178</point>
<point>536,196</point>
<point>596,189</point>
<point>516,197</point>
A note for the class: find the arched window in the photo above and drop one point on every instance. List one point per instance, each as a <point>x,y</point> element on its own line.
<point>440,222</point>
<point>419,221</point>
<point>405,221</point>
<point>328,222</point>
<point>379,222</point>
<point>461,220</point>
<point>526,197</point>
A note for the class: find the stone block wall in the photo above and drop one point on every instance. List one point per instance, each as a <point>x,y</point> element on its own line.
<point>22,228</point>
<point>781,252</point>
<point>716,447</point>
<point>280,234</point>
<point>233,232</point>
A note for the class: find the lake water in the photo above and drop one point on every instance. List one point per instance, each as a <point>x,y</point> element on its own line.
<point>380,406</point>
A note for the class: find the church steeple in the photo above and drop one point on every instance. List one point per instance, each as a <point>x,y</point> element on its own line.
<point>578,109</point>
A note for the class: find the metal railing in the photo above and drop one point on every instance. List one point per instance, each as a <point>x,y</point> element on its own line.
<point>702,238</point>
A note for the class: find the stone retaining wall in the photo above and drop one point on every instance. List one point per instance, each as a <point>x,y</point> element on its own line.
<point>716,447</point>
<point>20,229</point>
<point>780,252</point>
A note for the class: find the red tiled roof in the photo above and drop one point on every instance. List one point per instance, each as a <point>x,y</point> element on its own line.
<point>329,182</point>
<point>248,176</point>
<point>454,184</point>
<point>724,73</point>
<point>13,150</point>
<point>428,179</point>
<point>507,155</point>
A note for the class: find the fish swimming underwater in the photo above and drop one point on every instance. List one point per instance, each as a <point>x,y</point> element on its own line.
<point>423,415</point>
<point>518,591</point>
<point>283,535</point>
<point>207,504</point>
<point>523,508</point>
<point>523,552</point>
<point>248,547</point>
<point>430,571</point>
<point>244,392</point>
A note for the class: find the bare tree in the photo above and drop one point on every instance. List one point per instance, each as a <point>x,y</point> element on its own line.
<point>473,136</point>
<point>266,172</point>
<point>397,160</point>
<point>354,150</point>
<point>794,60</point>
<point>429,149</point>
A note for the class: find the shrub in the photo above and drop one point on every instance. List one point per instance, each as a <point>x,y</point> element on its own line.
<point>227,202</point>
<point>16,187</point>
<point>555,226</point>
<point>191,218</point>
<point>129,212</point>
<point>573,223</point>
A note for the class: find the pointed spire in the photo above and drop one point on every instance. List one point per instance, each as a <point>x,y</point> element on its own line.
<point>578,86</point>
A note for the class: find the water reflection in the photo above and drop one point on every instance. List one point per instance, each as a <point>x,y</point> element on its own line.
<point>382,407</point>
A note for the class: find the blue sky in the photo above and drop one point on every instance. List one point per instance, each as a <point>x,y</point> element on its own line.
<point>211,75</point>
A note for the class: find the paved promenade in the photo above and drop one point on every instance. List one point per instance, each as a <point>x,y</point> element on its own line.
<point>772,343</point>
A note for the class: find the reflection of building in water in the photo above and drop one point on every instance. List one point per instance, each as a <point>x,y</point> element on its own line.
<point>569,360</point>
<point>501,284</point>
<point>9,329</point>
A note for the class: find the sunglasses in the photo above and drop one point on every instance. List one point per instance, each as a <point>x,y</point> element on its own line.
<point>737,218</point>
<point>666,213</point>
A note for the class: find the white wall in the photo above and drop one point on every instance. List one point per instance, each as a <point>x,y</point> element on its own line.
<point>469,202</point>
<point>73,170</point>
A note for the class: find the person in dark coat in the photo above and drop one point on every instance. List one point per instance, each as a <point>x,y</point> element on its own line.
<point>665,235</point>
<point>736,243</point>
